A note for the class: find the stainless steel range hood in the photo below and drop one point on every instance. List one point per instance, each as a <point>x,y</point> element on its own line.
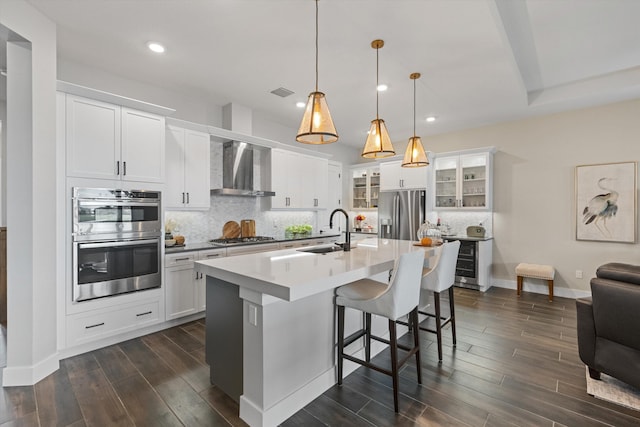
<point>238,171</point>
<point>243,164</point>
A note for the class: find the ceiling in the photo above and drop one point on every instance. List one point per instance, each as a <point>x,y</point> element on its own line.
<point>482,61</point>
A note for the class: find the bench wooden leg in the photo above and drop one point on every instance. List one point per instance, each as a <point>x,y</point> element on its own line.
<point>519,285</point>
<point>550,283</point>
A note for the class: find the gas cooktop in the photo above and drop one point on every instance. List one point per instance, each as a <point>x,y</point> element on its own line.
<point>241,240</point>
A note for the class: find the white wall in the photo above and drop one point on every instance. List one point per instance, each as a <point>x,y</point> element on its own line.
<point>31,191</point>
<point>534,186</point>
<point>3,158</point>
<point>193,107</point>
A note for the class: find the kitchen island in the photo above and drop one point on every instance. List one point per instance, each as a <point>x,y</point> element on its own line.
<point>270,322</point>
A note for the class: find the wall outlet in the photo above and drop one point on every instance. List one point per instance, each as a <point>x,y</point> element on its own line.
<point>253,315</point>
<point>578,274</point>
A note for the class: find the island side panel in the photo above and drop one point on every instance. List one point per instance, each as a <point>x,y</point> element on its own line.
<point>223,348</point>
<point>288,356</point>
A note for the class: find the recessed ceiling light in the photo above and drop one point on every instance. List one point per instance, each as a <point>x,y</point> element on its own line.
<point>431,119</point>
<point>382,87</point>
<point>155,47</point>
<point>300,104</point>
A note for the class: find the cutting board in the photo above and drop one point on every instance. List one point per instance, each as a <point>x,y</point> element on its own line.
<point>248,228</point>
<point>231,230</point>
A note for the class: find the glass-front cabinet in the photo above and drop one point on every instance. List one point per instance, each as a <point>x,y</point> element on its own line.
<point>365,187</point>
<point>463,180</point>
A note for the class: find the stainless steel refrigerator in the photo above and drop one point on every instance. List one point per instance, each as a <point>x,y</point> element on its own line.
<point>401,213</point>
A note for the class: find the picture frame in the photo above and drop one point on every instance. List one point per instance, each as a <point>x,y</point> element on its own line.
<point>605,200</point>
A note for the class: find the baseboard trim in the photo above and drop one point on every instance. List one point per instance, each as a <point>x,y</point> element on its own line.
<point>541,289</point>
<point>29,375</point>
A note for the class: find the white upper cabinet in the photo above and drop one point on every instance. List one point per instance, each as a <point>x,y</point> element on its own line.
<point>188,161</point>
<point>463,181</point>
<point>319,178</point>
<point>143,146</point>
<point>93,138</point>
<point>107,141</point>
<point>394,177</point>
<point>283,168</point>
<point>299,181</point>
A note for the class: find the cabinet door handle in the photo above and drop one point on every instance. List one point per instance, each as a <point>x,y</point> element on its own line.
<point>124,168</point>
<point>182,259</point>
<point>144,314</point>
<point>94,326</point>
<point>117,167</point>
<point>212,255</point>
<point>183,198</point>
<point>187,198</point>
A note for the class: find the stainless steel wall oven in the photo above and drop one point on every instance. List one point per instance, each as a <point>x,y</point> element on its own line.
<point>117,242</point>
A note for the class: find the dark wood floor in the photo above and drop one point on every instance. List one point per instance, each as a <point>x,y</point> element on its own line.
<point>516,363</point>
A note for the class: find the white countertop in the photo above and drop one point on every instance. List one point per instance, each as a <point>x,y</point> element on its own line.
<point>291,275</point>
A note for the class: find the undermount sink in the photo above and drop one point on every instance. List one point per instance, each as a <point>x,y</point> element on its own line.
<point>322,249</point>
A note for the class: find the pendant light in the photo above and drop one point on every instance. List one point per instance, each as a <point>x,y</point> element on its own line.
<point>415,156</point>
<point>378,143</point>
<point>317,126</point>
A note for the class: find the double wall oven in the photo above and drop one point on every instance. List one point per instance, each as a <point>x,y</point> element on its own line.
<point>117,242</point>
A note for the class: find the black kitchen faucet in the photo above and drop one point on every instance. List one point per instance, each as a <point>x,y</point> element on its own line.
<point>347,244</point>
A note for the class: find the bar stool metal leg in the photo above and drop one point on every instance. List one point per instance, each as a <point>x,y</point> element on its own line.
<point>438,318</point>
<point>367,340</point>
<point>340,342</point>
<point>452,315</point>
<point>416,340</point>
<point>393,343</point>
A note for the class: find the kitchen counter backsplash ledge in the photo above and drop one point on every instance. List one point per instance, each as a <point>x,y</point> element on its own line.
<point>206,245</point>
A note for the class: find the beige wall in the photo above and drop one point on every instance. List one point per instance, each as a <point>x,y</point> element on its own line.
<point>534,187</point>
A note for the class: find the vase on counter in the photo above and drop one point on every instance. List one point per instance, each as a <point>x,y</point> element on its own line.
<point>357,224</point>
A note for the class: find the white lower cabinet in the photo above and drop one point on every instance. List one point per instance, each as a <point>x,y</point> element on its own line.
<point>98,324</point>
<point>184,288</point>
<point>180,285</point>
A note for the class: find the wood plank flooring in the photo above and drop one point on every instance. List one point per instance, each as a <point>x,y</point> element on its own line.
<point>516,363</point>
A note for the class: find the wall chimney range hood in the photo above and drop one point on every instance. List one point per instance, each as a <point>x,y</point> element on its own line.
<point>238,171</point>
<point>243,163</point>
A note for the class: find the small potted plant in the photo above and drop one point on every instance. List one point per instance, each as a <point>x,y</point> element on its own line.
<point>358,222</point>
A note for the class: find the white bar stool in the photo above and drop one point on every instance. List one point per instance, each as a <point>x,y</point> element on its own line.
<point>438,279</point>
<point>392,300</point>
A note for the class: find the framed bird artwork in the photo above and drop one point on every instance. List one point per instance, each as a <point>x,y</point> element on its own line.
<point>606,202</point>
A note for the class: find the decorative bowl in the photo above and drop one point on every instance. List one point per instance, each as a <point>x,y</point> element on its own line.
<point>169,242</point>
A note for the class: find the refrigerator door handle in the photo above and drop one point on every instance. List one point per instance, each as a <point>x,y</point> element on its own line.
<point>395,218</point>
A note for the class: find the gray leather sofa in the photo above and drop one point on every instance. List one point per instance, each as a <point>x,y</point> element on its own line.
<point>609,323</point>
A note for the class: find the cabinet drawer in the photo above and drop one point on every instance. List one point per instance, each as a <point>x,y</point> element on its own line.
<point>91,327</point>
<point>212,254</point>
<point>144,314</point>
<point>179,259</point>
<point>87,327</point>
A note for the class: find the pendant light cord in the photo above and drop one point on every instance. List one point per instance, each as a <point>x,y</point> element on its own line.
<point>414,108</point>
<point>377,74</point>
<point>316,45</point>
